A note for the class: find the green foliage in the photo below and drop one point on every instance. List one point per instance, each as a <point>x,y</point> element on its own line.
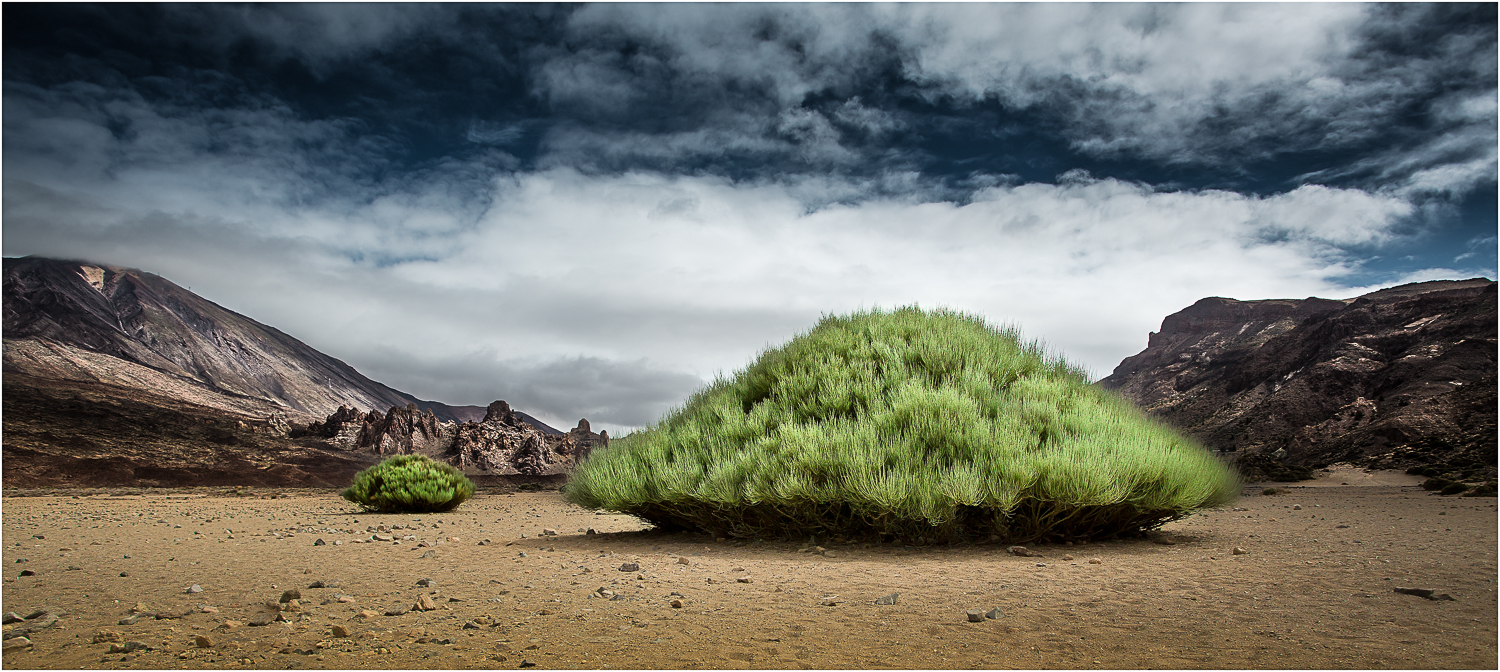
<point>410,484</point>
<point>1453,489</point>
<point>1486,490</point>
<point>1436,483</point>
<point>907,423</point>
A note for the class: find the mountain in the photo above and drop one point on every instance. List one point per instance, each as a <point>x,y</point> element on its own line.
<point>1399,378</point>
<point>115,376</point>
<point>75,320</point>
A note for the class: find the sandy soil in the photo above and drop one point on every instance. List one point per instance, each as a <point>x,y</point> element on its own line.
<point>1315,589</point>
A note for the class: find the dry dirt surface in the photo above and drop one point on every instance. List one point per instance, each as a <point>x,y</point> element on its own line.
<point>1316,587</point>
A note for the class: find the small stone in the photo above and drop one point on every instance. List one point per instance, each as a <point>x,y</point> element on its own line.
<point>208,610</point>
<point>830,601</point>
<point>1239,550</point>
<point>527,663</point>
<point>11,617</point>
<point>549,532</point>
<point>20,643</point>
<point>194,589</point>
<point>1095,561</point>
<point>203,642</point>
<point>381,537</point>
<point>340,631</point>
<point>103,636</point>
<point>630,567</point>
<point>1023,552</point>
<point>426,583</point>
<point>366,613</point>
<point>744,579</point>
<point>976,615</point>
<point>317,584</point>
<point>1067,557</point>
<point>124,573</point>
<point>320,542</point>
<point>1296,507</point>
<point>345,599</point>
<point>289,595</point>
<point>428,554</point>
<point>888,599</point>
<point>424,603</point>
<point>676,604</point>
<point>263,619</point>
<point>830,554</point>
<point>396,611</point>
<point>683,561</point>
<point>27,572</point>
<point>522,554</point>
<point>994,613</point>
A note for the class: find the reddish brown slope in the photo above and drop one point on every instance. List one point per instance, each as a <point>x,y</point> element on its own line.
<point>1402,377</point>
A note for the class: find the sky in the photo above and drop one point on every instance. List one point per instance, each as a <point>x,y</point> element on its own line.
<point>591,211</point>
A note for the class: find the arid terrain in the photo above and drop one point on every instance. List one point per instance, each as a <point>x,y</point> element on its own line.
<point>1314,588</point>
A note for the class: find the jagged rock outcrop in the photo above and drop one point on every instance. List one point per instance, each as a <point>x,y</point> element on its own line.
<point>1402,377</point>
<point>504,442</point>
<point>585,441</point>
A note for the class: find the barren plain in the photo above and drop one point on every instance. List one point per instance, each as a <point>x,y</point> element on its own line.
<point>1314,588</point>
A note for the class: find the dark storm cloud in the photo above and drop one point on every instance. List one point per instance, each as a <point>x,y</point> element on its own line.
<point>597,207</point>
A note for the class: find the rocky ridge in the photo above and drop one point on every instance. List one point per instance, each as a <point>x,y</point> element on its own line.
<point>502,443</point>
<point>1399,378</point>
<point>79,321</point>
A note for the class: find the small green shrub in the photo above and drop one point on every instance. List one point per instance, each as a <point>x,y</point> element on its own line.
<point>1436,483</point>
<point>410,484</point>
<point>1486,490</point>
<point>1454,488</point>
<point>907,424</point>
<point>1270,491</point>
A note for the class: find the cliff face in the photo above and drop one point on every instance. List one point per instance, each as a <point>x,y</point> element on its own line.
<point>1397,378</point>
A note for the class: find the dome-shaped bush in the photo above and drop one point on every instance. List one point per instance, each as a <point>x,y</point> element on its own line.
<point>410,484</point>
<point>909,423</point>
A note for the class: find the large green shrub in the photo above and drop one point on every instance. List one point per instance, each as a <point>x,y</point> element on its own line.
<point>410,484</point>
<point>909,423</point>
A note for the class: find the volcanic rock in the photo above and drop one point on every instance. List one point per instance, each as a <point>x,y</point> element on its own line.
<point>1399,378</point>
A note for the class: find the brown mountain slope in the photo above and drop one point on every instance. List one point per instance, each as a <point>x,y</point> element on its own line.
<point>1399,378</point>
<point>72,320</point>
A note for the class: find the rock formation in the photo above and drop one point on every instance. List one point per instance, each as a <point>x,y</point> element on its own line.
<point>504,442</point>
<point>1400,378</point>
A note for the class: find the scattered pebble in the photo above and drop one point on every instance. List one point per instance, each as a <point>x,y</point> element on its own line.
<point>630,567</point>
<point>1023,552</point>
<point>888,599</point>
<point>994,613</point>
<point>976,615</point>
<point>193,589</point>
<point>289,595</point>
<point>203,642</point>
<point>1239,550</point>
<point>1095,561</point>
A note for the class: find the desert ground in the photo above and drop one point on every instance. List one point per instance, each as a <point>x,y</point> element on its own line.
<point>1315,587</point>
